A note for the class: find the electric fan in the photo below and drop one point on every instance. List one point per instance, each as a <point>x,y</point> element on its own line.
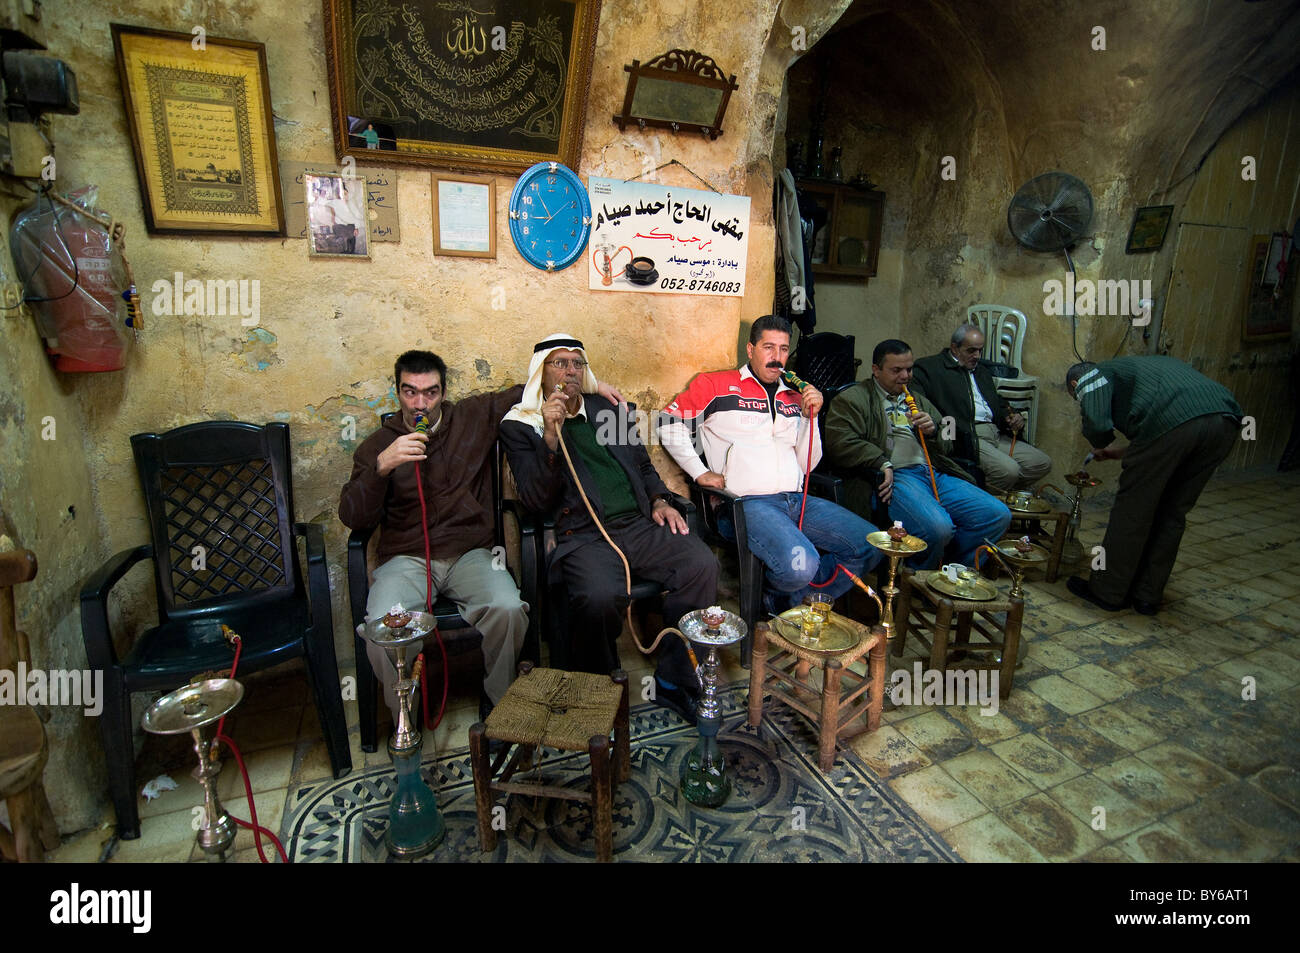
<point>1050,213</point>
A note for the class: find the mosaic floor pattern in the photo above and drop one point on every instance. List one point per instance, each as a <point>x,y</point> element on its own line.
<point>781,807</point>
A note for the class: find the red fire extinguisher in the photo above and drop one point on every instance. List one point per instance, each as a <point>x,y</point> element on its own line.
<point>71,276</point>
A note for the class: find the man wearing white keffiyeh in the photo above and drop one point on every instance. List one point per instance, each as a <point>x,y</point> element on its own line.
<point>630,501</point>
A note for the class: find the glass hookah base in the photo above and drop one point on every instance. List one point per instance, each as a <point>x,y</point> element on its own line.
<point>704,780</point>
<point>413,833</point>
<point>415,826</point>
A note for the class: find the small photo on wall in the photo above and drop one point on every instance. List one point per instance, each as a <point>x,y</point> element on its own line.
<point>336,216</point>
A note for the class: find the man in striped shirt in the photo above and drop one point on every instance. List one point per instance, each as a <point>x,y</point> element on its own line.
<point>1181,425</point>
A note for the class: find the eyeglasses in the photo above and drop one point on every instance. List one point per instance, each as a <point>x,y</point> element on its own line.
<point>564,363</point>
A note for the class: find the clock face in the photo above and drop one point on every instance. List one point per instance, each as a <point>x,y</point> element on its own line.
<point>550,216</point>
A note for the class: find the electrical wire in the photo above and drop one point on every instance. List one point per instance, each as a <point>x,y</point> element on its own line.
<point>58,231</point>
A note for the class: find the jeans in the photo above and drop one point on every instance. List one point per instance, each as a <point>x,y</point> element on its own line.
<point>967,515</point>
<point>796,560</point>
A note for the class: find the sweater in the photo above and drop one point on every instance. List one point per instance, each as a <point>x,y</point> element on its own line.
<point>1146,397</point>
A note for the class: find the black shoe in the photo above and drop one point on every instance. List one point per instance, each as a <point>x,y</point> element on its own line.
<point>676,700</point>
<point>1146,608</point>
<point>1083,589</point>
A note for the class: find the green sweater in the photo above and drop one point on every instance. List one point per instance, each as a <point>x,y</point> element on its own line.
<point>1145,398</point>
<point>856,435</point>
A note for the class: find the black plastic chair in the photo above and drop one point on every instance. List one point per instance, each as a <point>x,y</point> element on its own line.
<point>825,360</point>
<point>458,636</point>
<point>219,499</point>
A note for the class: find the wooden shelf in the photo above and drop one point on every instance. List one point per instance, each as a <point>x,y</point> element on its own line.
<point>849,243</point>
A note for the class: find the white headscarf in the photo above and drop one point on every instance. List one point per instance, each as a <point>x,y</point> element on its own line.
<point>529,409</point>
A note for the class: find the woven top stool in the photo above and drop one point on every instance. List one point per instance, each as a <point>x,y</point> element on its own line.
<point>567,711</point>
<point>921,608</point>
<point>840,713</point>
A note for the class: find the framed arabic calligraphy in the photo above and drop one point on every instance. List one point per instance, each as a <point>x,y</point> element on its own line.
<point>491,85</point>
<point>202,132</point>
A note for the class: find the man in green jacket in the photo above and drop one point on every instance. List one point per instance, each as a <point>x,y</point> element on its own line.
<point>1181,425</point>
<point>869,427</point>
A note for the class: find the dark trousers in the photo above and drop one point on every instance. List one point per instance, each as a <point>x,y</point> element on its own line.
<point>597,592</point>
<point>1158,487</point>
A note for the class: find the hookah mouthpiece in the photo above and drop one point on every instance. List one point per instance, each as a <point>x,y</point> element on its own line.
<point>793,380</point>
<point>421,422</point>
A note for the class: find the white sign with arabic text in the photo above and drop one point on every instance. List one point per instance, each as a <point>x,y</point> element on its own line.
<point>653,238</point>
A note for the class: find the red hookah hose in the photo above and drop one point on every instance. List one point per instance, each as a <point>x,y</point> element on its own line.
<point>807,479</point>
<point>428,604</point>
<point>257,829</point>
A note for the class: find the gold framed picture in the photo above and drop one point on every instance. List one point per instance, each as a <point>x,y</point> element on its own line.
<point>337,223</point>
<point>481,85</point>
<point>464,215</point>
<point>199,111</point>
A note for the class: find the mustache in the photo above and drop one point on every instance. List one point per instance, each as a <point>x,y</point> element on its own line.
<point>775,364</point>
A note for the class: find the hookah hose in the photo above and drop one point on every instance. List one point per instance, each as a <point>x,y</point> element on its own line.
<point>422,426</point>
<point>791,379</point>
<point>257,829</point>
<point>911,405</point>
<point>627,571</point>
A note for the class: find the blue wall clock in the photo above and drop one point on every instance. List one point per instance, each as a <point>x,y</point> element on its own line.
<point>550,216</point>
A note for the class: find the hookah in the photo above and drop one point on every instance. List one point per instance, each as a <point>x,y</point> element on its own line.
<point>1072,550</point>
<point>415,827</point>
<point>896,543</point>
<point>605,248</point>
<point>192,708</point>
<point>704,774</point>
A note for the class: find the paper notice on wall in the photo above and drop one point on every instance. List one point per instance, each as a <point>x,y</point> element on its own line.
<point>653,238</point>
<point>381,199</point>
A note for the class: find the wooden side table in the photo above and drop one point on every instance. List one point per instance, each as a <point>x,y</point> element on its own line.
<point>568,711</point>
<point>779,665</point>
<point>923,610</point>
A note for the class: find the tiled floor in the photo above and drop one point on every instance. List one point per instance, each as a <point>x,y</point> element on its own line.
<point>1126,738</point>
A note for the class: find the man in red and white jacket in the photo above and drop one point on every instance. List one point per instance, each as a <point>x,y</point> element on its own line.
<point>755,434</point>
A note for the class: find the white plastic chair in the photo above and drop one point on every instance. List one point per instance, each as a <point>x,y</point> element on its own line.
<point>1004,331</point>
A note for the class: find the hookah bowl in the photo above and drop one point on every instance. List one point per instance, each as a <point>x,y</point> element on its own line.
<point>896,546</point>
<point>704,775</point>
<point>1016,562</point>
<point>192,708</point>
<point>415,826</point>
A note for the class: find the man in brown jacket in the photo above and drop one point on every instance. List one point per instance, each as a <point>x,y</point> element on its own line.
<point>453,462</point>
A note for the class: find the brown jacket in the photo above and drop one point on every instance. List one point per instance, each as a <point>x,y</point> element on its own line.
<point>457,479</point>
